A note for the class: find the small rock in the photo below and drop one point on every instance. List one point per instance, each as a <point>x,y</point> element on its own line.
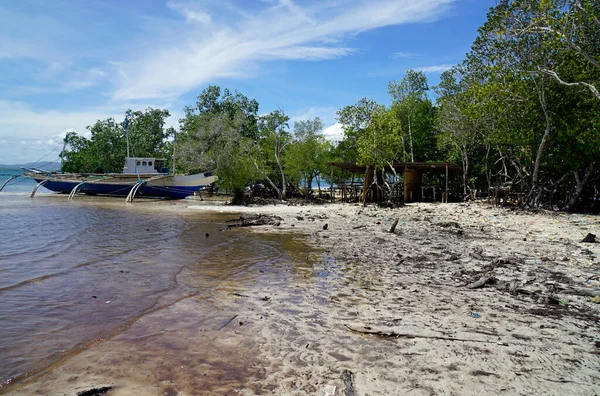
<point>590,238</point>
<point>207,234</point>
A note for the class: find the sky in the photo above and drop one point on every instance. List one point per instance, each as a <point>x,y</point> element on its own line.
<point>66,63</point>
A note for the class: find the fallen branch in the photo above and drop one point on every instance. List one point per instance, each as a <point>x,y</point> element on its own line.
<point>238,295</point>
<point>484,280</point>
<point>393,227</point>
<point>393,334</point>
<point>226,323</point>
<point>348,378</point>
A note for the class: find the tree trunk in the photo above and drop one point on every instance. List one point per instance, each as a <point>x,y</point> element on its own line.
<point>308,188</point>
<point>277,190</point>
<point>283,183</point>
<point>318,179</point>
<point>488,171</point>
<point>412,156</point>
<point>538,158</point>
<point>465,162</point>
<point>580,185</point>
<point>367,185</point>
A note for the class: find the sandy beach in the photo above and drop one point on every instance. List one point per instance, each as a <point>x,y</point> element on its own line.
<point>462,299</point>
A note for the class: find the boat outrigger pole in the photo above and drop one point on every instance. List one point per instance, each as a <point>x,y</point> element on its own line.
<point>36,187</point>
<point>9,179</point>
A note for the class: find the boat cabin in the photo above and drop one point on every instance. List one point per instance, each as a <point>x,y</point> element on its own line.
<point>137,165</point>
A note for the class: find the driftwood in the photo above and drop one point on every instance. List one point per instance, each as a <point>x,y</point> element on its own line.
<point>238,295</point>
<point>393,227</point>
<point>95,391</point>
<point>348,378</point>
<point>484,280</point>
<point>226,323</point>
<point>256,220</point>
<point>393,334</point>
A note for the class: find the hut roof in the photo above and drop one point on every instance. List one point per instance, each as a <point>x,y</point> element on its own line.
<point>400,166</point>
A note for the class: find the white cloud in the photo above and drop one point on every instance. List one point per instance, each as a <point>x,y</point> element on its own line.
<point>435,69</point>
<point>39,131</point>
<point>84,80</point>
<point>402,55</point>
<point>309,53</point>
<point>334,133</point>
<point>190,13</point>
<point>199,53</point>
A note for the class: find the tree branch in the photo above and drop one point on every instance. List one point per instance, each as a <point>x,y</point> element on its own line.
<point>574,84</point>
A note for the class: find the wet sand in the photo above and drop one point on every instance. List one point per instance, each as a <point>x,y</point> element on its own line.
<point>354,309</point>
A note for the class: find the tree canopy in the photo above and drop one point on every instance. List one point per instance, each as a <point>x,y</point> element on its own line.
<point>520,112</point>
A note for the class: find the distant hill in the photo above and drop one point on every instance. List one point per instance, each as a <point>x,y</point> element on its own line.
<point>55,165</point>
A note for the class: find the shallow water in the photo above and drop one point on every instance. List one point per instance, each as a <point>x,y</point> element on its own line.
<point>76,273</point>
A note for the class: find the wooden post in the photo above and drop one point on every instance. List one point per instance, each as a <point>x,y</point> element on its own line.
<point>446,183</point>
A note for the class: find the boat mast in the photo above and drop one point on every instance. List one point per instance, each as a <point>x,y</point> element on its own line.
<point>127,134</point>
<point>174,141</point>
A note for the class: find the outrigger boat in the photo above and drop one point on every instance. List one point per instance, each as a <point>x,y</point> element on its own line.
<point>146,177</point>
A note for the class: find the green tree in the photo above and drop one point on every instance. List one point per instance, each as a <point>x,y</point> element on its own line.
<point>307,156</point>
<point>407,94</point>
<point>105,150</point>
<point>274,139</point>
<point>379,146</point>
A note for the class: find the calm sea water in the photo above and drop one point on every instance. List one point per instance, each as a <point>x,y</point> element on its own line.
<point>19,185</point>
<point>76,272</point>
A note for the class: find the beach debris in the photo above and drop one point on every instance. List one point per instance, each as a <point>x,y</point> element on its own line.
<point>95,391</point>
<point>595,300</point>
<point>393,334</point>
<point>348,378</point>
<point>393,227</point>
<point>449,224</point>
<point>238,295</point>
<point>590,238</point>
<point>329,390</point>
<point>475,315</point>
<point>108,302</point>
<point>550,300</point>
<point>484,280</point>
<point>226,323</point>
<point>207,234</point>
<point>325,226</point>
<point>266,298</point>
<point>256,220</point>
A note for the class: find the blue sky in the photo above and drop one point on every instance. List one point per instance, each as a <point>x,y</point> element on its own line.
<point>65,64</point>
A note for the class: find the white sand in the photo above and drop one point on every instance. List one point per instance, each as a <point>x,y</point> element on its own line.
<point>293,330</point>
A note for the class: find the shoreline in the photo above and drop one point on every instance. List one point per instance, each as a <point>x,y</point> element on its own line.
<point>365,310</point>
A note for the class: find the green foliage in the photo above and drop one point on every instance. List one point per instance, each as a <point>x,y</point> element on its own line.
<point>308,155</point>
<point>105,150</point>
<point>522,111</point>
<point>381,142</point>
<point>354,119</point>
<point>410,105</point>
